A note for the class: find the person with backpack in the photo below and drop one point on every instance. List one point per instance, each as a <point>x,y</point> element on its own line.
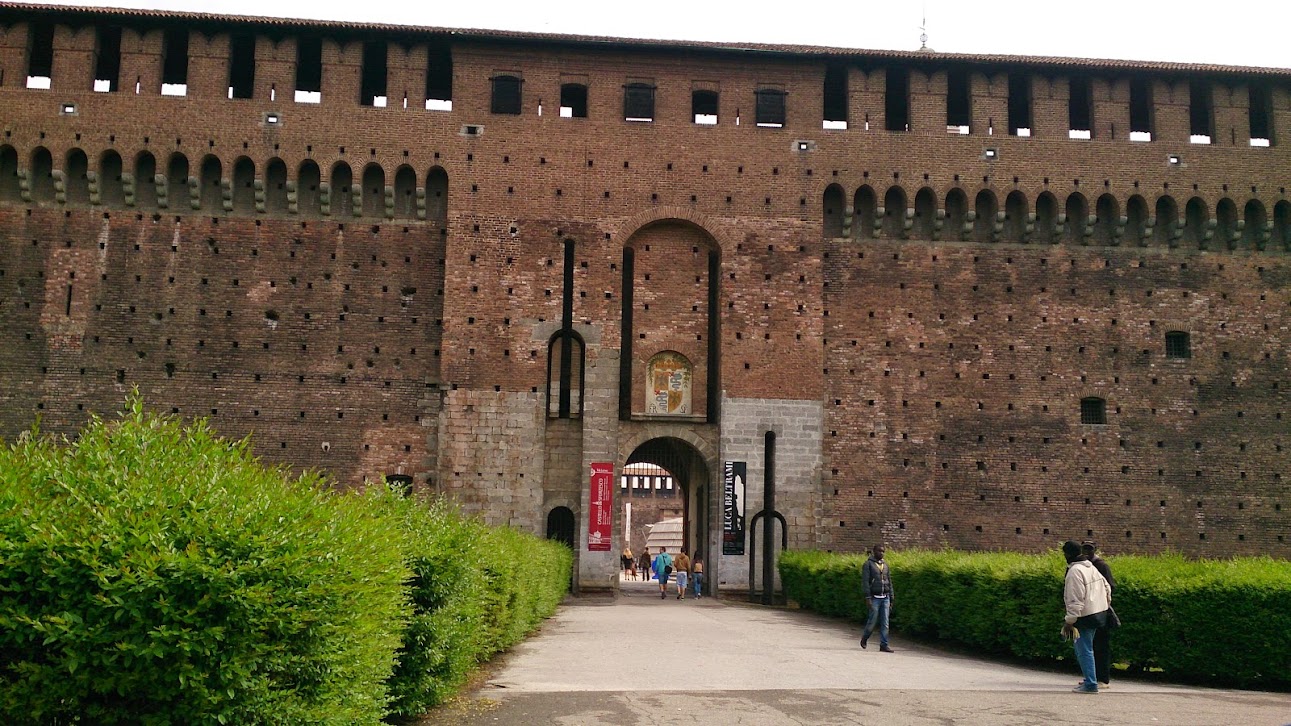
<point>663,568</point>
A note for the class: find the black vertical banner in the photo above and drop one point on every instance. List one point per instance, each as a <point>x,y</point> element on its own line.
<point>734,474</point>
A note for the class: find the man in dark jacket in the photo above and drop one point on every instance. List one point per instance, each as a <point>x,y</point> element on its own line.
<point>1103,636</point>
<point>877,585</point>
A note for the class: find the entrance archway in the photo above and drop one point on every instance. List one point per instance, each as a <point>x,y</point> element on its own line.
<point>560,526</point>
<point>677,478</point>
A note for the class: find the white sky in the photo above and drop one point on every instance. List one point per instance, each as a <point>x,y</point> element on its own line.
<point>1233,32</point>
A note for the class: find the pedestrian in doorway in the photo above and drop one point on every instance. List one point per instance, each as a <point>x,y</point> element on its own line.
<point>1086,595</point>
<point>645,563</point>
<point>1103,636</point>
<point>629,564</point>
<point>697,574</point>
<point>681,567</point>
<point>663,568</point>
<point>877,585</point>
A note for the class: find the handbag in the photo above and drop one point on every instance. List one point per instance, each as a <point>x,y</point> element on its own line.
<point>1113,621</point>
<point>667,569</point>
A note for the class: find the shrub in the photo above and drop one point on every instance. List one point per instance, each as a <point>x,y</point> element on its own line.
<point>152,573</point>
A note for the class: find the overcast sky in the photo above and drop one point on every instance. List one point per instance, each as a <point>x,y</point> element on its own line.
<point>1233,32</point>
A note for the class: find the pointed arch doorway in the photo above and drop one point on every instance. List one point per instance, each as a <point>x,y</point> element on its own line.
<point>680,487</point>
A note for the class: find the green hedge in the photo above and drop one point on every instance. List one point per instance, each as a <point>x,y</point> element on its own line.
<point>1224,622</point>
<point>153,573</point>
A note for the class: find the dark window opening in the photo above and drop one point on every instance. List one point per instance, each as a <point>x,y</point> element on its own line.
<point>1080,109</point>
<point>1093,411</point>
<point>439,78</point>
<point>836,97</point>
<point>1178,344</point>
<point>959,101</point>
<point>1141,109</point>
<point>1019,104</point>
<point>309,70</point>
<point>573,100</point>
<point>40,55</point>
<point>174,63</point>
<point>703,107</point>
<point>638,102</point>
<point>1261,115</point>
<point>896,100</point>
<point>769,108</point>
<point>372,77</point>
<point>506,95</point>
<point>1201,112</point>
<point>242,66</point>
<point>107,59</point>
<point>400,484</point>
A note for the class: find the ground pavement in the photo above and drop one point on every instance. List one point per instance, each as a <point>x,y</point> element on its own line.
<point>636,659</point>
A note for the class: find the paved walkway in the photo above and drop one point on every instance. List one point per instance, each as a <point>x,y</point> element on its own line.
<point>636,659</point>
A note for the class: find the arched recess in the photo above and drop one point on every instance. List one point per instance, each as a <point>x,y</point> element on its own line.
<point>864,205</point>
<point>111,189</point>
<point>309,180</point>
<point>566,357</point>
<point>984,225</point>
<point>1196,217</point>
<point>244,186</point>
<point>212,194</point>
<point>894,207</point>
<point>437,197</point>
<point>1225,224</point>
<point>1046,219</point>
<point>145,181</point>
<point>374,191</point>
<point>405,193</point>
<point>41,175</point>
<point>691,472</point>
<point>925,214</point>
<point>956,214</point>
<point>177,182</point>
<point>1136,221</point>
<point>1256,223</point>
<point>1165,233</point>
<point>10,190</point>
<point>342,180</point>
<point>561,526</point>
<point>76,172</point>
<point>275,187</point>
<point>1077,216</point>
<point>1282,226</point>
<point>1015,217</point>
<point>1108,215</point>
<point>833,209</point>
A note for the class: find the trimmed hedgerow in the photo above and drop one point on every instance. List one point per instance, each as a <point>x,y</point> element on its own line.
<point>153,573</point>
<point>1225,622</point>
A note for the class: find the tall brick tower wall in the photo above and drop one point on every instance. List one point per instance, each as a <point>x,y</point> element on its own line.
<point>972,301</point>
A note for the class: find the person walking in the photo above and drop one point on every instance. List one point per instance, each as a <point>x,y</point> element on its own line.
<point>681,567</point>
<point>645,564</point>
<point>1103,636</point>
<point>1086,595</point>
<point>877,585</point>
<point>663,568</point>
<point>629,564</point>
<point>697,574</point>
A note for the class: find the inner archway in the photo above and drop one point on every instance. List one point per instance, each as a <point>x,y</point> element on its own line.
<point>664,490</point>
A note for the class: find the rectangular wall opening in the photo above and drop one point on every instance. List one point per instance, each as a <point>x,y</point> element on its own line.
<point>107,59</point>
<point>242,66</point>
<point>1261,115</point>
<point>439,78</point>
<point>1201,112</point>
<point>835,112</point>
<point>959,101</point>
<point>1141,109</point>
<point>40,54</point>
<point>174,62</point>
<point>1019,104</point>
<point>1080,109</point>
<point>309,70</point>
<point>896,100</point>
<point>372,76</point>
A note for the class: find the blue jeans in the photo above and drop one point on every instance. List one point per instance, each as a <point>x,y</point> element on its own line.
<point>699,582</point>
<point>1084,647</point>
<point>879,607</point>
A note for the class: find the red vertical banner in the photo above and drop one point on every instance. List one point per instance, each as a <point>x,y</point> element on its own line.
<point>600,518</point>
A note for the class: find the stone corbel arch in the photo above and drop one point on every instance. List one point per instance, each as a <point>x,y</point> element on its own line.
<point>667,213</point>
<point>707,449</point>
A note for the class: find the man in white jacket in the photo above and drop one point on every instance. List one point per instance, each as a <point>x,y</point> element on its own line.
<point>1087,597</point>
